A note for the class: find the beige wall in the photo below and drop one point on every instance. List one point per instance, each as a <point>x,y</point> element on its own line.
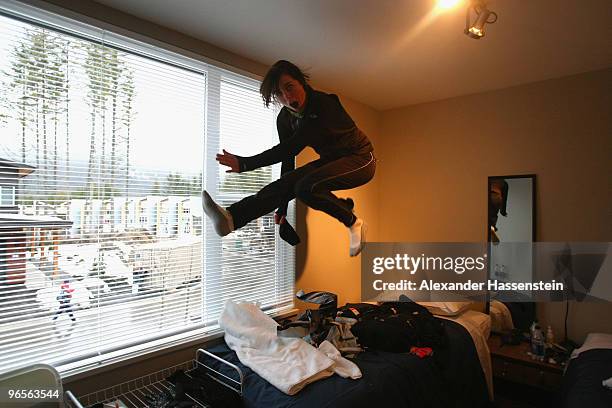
<point>436,157</point>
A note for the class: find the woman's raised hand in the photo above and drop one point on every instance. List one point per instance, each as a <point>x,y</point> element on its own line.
<point>230,160</point>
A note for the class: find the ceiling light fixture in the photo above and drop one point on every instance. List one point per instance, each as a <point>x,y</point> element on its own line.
<point>483,16</point>
<point>447,4</point>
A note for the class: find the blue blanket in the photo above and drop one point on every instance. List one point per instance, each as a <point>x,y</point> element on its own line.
<point>453,379</point>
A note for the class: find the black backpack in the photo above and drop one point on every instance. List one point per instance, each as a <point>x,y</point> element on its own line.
<point>397,326</point>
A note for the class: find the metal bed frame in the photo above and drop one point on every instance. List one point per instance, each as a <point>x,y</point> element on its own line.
<point>133,393</point>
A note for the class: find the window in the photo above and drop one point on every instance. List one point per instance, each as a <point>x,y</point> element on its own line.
<point>119,138</point>
<point>7,195</point>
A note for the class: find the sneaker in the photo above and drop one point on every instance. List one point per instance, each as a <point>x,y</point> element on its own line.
<point>221,218</point>
<point>349,203</point>
<point>357,233</point>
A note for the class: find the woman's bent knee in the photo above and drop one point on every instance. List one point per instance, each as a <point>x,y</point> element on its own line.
<point>303,191</point>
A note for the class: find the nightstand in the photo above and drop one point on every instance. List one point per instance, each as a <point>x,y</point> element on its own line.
<point>512,363</point>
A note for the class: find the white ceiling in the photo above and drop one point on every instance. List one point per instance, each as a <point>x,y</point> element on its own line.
<point>388,53</point>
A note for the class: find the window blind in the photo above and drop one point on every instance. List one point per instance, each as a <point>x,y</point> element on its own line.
<point>105,146</point>
<point>250,263</point>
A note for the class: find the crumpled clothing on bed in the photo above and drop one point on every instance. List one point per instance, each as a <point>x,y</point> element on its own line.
<point>287,363</point>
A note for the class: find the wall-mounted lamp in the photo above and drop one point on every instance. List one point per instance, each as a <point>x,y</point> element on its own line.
<point>483,16</point>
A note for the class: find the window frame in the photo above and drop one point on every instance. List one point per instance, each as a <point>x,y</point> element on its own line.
<point>89,29</point>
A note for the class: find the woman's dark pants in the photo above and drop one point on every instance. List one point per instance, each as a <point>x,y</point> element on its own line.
<point>313,184</point>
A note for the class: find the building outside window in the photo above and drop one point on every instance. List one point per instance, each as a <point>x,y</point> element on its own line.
<point>7,195</point>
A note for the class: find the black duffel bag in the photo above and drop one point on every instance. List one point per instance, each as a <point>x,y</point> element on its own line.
<point>397,327</point>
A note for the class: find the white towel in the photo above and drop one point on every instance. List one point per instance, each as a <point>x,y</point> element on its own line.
<point>287,363</point>
<point>343,367</point>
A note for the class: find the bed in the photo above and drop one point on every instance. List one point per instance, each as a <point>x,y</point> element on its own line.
<point>462,379</point>
<point>457,376</point>
<point>589,366</point>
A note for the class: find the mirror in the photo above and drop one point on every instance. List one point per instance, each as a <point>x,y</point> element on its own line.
<point>511,209</point>
<point>510,233</point>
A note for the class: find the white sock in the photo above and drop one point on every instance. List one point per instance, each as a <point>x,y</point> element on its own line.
<point>357,237</point>
<point>222,219</point>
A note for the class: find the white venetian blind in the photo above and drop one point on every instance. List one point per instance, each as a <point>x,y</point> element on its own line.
<point>105,146</point>
<point>252,263</point>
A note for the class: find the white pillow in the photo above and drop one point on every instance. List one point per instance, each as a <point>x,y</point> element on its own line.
<point>446,308</point>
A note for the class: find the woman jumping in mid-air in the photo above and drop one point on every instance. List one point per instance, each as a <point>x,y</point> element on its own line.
<point>308,118</point>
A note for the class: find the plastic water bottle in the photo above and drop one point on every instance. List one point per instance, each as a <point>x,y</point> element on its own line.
<point>532,329</point>
<point>537,342</point>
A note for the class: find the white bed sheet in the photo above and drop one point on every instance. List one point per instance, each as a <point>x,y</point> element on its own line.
<point>501,318</point>
<point>594,341</point>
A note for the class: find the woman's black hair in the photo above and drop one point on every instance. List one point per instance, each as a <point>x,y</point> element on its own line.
<point>269,85</point>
